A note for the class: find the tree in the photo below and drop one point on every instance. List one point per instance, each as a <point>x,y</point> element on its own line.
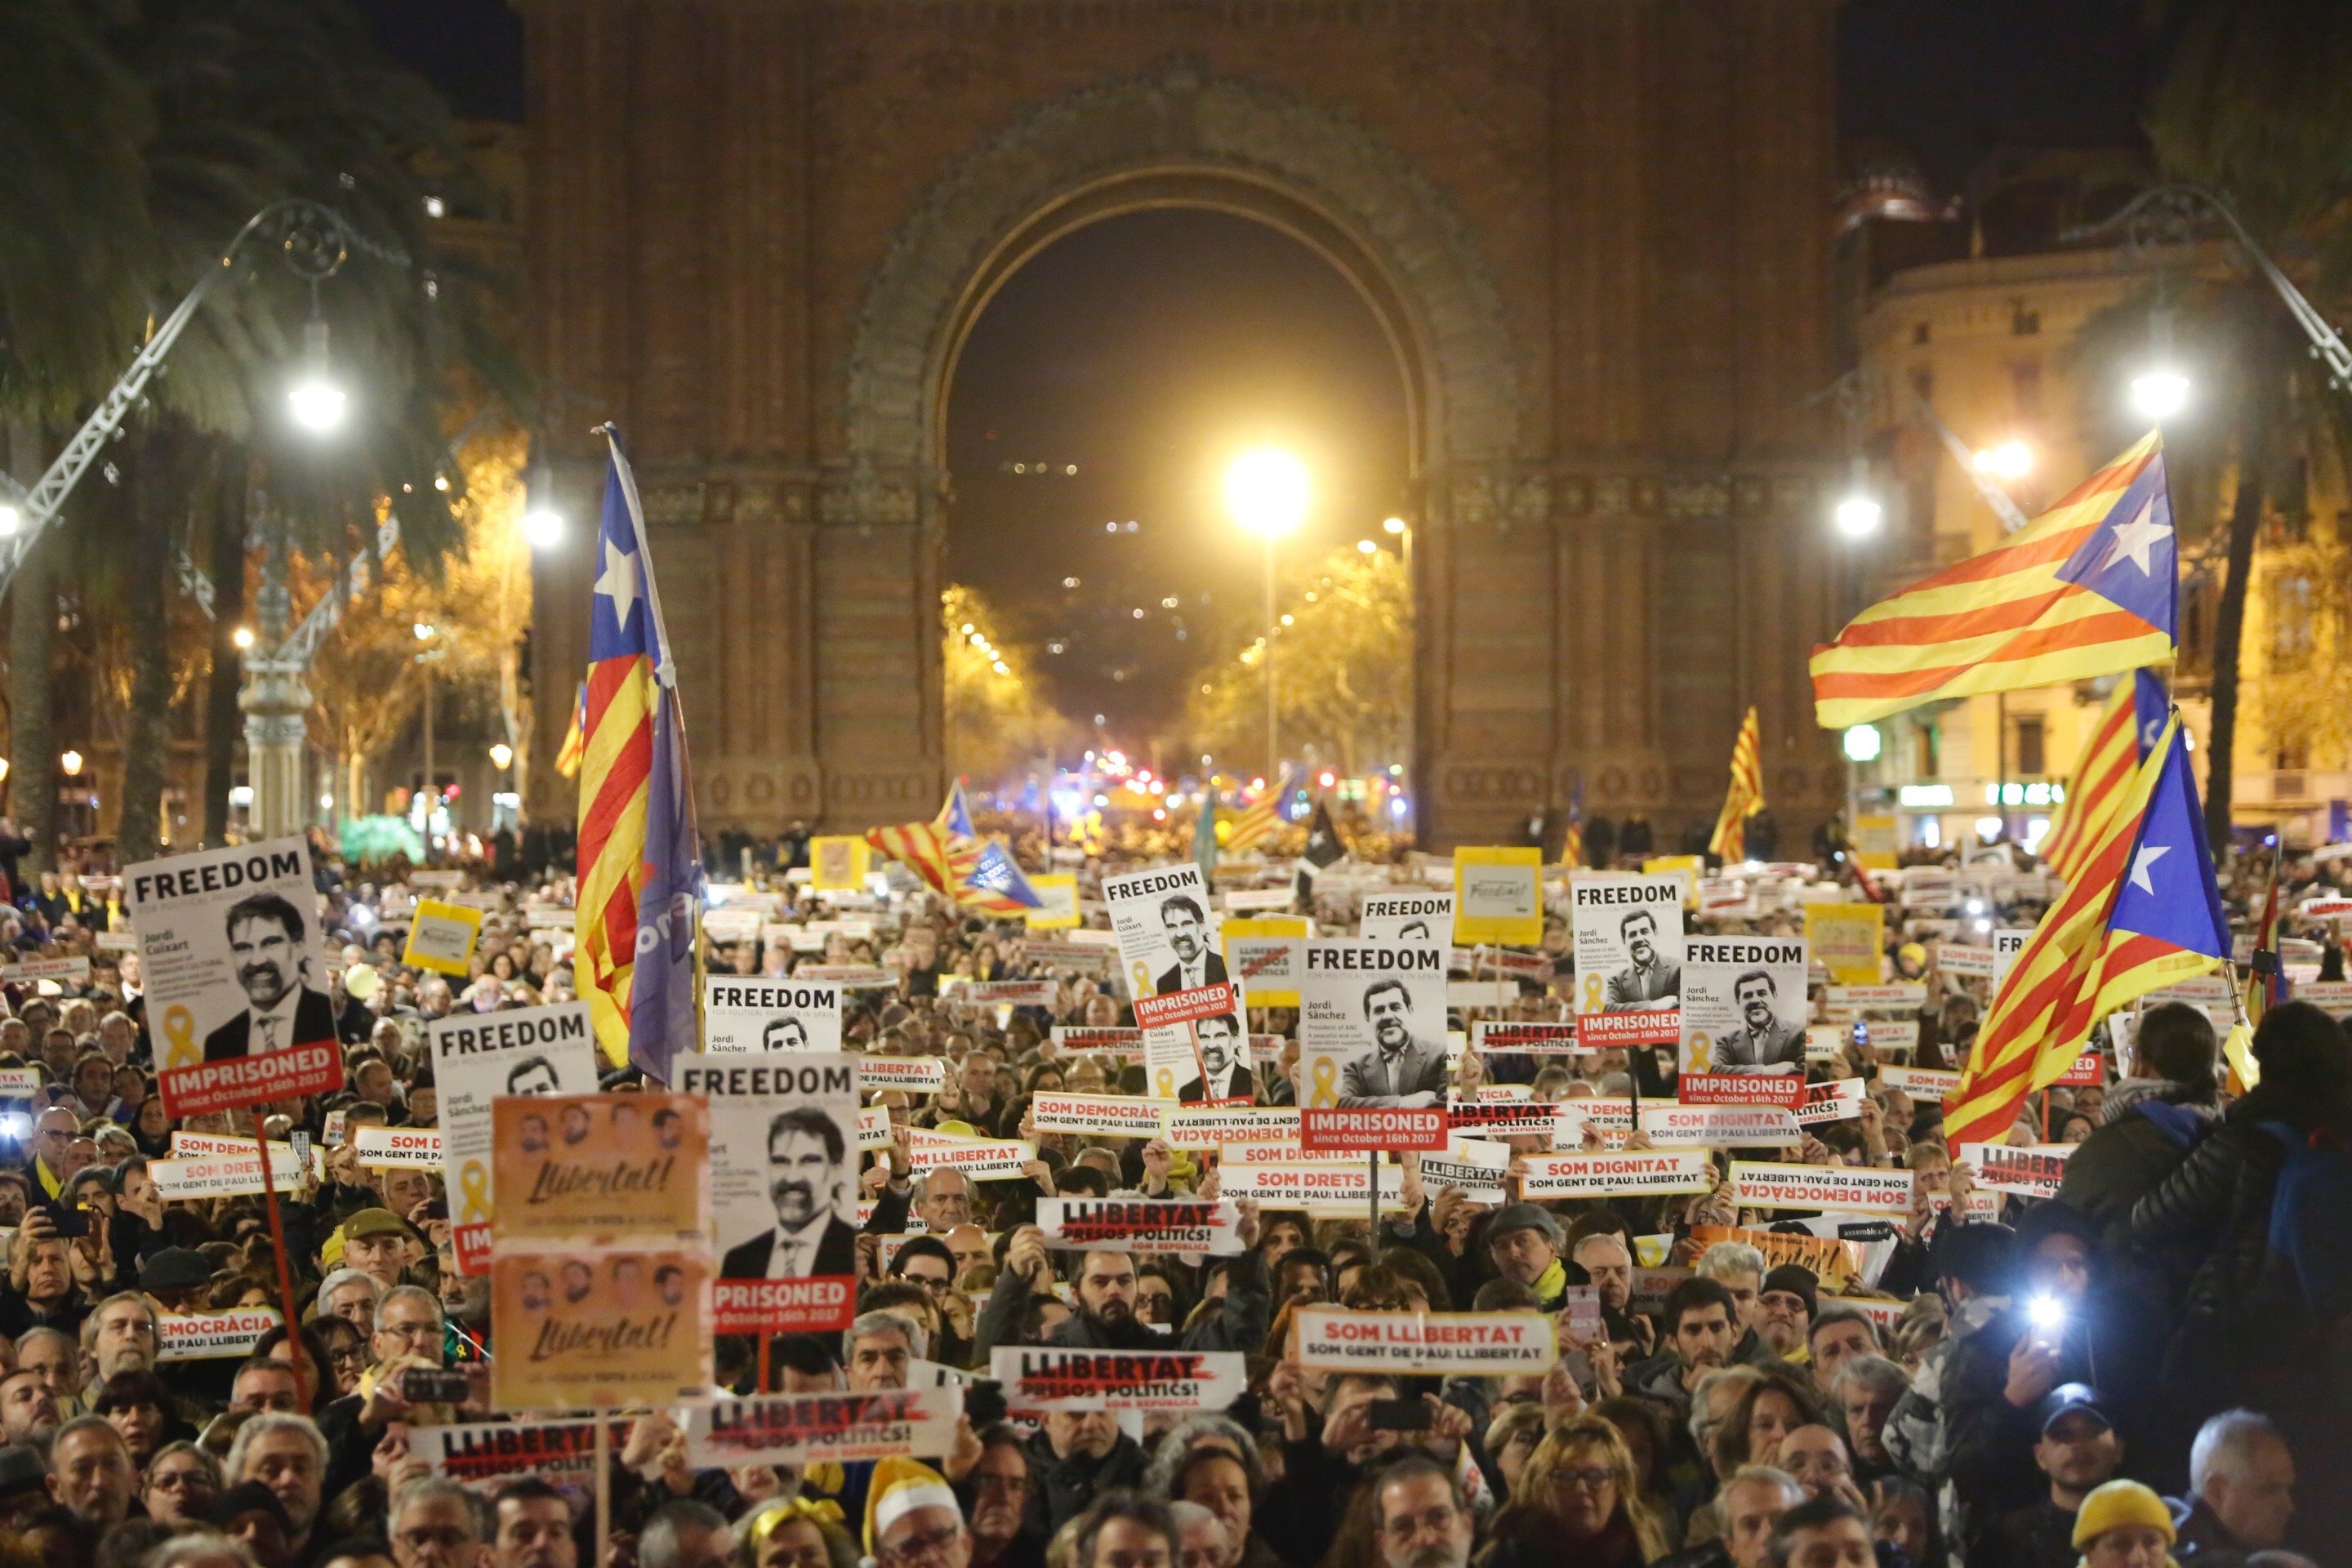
<point>1343,671</point>
<point>996,722</point>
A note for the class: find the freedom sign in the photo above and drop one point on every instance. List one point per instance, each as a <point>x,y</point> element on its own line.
<point>1184,1225</point>
<point>1042,1378</point>
<point>1846,1188</point>
<point>805,1429</point>
<point>1454,1344</point>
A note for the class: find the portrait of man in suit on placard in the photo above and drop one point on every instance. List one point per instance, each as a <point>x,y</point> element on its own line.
<point>1186,925</point>
<point>1652,980</point>
<point>1763,1043</point>
<point>1398,1069</point>
<point>805,1154</point>
<point>1224,1061</point>
<point>267,944</point>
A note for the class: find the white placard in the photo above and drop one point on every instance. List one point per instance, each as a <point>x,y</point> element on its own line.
<point>749,1012</point>
<point>1185,1227</point>
<point>1624,1173</point>
<point>814,1429</point>
<point>480,1058</point>
<point>1718,1126</point>
<point>417,1148</point>
<point>1744,1004</point>
<point>1448,1344</point>
<point>1629,956</point>
<point>1842,1188</point>
<point>230,952</point>
<point>1409,917</point>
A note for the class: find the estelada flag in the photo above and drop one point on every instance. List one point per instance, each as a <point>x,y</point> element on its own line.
<point>2134,719</point>
<point>2088,588</point>
<point>2145,913</point>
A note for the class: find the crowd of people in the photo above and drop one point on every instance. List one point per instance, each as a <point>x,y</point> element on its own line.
<point>2149,1367</point>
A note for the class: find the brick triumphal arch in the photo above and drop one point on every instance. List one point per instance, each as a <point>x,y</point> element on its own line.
<point>1594,232</point>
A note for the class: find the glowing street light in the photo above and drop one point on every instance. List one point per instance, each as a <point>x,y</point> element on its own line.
<point>316,401</point>
<point>10,520</point>
<point>2010,460</point>
<point>1863,743</point>
<point>1365,547</point>
<point>1266,491</point>
<point>242,637</point>
<point>2160,392</point>
<point>70,759</point>
<point>542,523</point>
<point>502,755</point>
<point>1392,525</point>
<point>1858,513</point>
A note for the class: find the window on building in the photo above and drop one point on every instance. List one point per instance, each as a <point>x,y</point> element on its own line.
<point>2029,758</point>
<point>1930,763</point>
<point>2024,321</point>
<point>1919,335</point>
<point>2290,599</point>
<point>2294,756</point>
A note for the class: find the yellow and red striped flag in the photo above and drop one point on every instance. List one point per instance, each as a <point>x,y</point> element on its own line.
<point>2133,718</point>
<point>1746,796</point>
<point>575,744</point>
<point>2090,587</point>
<point>1256,823</point>
<point>2145,913</point>
<point>923,849</point>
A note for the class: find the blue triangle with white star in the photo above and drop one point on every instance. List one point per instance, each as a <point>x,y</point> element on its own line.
<point>2130,559</point>
<point>2151,707</point>
<point>2169,892</point>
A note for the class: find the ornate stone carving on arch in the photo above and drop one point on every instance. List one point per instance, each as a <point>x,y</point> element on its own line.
<point>1178,119</point>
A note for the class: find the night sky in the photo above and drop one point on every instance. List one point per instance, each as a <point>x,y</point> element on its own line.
<point>1147,349</point>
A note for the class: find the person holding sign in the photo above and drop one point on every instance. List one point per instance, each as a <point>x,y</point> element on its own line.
<point>267,949</point>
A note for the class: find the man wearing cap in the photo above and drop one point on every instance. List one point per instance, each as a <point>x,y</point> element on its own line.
<point>912,1518</point>
<point>375,1240</point>
<point>176,1278</point>
<point>1523,1240</point>
<point>2123,1524</point>
<point>2079,1451</point>
<point>1784,1311</point>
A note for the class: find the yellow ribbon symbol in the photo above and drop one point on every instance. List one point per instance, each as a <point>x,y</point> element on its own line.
<point>475,1183</point>
<point>1140,984</point>
<point>1592,993</point>
<point>1167,1084</point>
<point>180,1028</point>
<point>1697,1053</point>
<point>1327,1088</point>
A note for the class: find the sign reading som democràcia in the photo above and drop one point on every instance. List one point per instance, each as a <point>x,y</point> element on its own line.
<point>1461,1344</point>
<point>1538,1038</point>
<point>1096,1115</point>
<point>1043,1378</point>
<point>483,1458</point>
<point>1221,1126</point>
<point>811,1428</point>
<point>1372,1039</point>
<point>202,1336</point>
<point>1629,957</point>
<point>2034,1171</point>
<point>1847,1188</point>
<point>1628,1172</point>
<point>478,1057</point>
<point>1720,1126</point>
<point>1184,1225</point>
<point>397,1146</point>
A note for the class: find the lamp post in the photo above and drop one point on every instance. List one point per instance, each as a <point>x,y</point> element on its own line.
<point>1266,491</point>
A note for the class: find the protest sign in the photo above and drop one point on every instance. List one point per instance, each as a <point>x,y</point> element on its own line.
<point>2034,1171</point>
<point>850,977</point>
<point>416,1148</point>
<point>1099,1115</point>
<point>2089,1070</point>
<point>1891,996</point>
<point>1340,1183</point>
<point>912,1075</point>
<point>202,1336</point>
<point>1185,1226</point>
<point>1840,1187</point>
<point>1740,1089</point>
<point>818,1428</point>
<point>1685,867</point>
<point>1837,1100</point>
<point>2332,997</point>
<point>1973,963</point>
<point>1266,957</point>
<point>1219,999</point>
<point>231,960</point>
<point>222,1176</point>
<point>1438,1344</point>
<point>18,1083</point>
<point>1540,1038</point>
<point>1623,1174</point>
<point>1006,992</point>
<point>36,969</point>
<point>1891,1034</point>
<point>441,937</point>
<point>730,927</point>
<point>837,863</point>
<point>1409,917</point>
<point>980,1158</point>
<point>1653,1283</point>
<point>874,1127</point>
<point>1057,900</point>
<point>1709,1126</point>
<point>1824,1041</point>
<point>784,1187</point>
<point>1503,1117</point>
<point>1167,930</point>
<point>597,1331</point>
<point>187,1145</point>
<point>1372,1044</point>
<point>1213,1127</point>
<point>1920,1083</point>
<point>1040,1378</point>
<point>743,1013</point>
<point>1242,899</point>
<point>478,1057</point>
<point>1498,896</point>
<point>1628,958</point>
<point>599,1169</point>
<point>1744,1005</point>
<point>1071,1041</point>
<point>1474,1165</point>
<point>2007,943</point>
<point>1471,996</point>
<point>484,1458</point>
<point>1847,940</point>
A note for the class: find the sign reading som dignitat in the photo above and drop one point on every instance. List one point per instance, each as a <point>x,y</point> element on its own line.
<point>1372,1045</point>
<point>783,1188</point>
<point>1628,958</point>
<point>230,952</point>
<point>529,1053</point>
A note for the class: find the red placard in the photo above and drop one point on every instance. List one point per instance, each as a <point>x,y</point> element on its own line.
<point>1786,1089</point>
<point>234,1081</point>
<point>1603,1031</point>
<point>2088,1072</point>
<point>821,1303</point>
<point>1183,1006</point>
<point>470,1245</point>
<point>1366,1129</point>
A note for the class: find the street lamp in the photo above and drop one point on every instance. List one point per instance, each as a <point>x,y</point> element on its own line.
<point>70,759</point>
<point>2160,394</point>
<point>1266,492</point>
<point>2010,460</point>
<point>316,401</point>
<point>1858,513</point>
<point>542,524</point>
<point>242,639</point>
<point>502,755</point>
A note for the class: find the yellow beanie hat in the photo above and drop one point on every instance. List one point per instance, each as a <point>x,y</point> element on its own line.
<point>2116,1504</point>
<point>899,1486</point>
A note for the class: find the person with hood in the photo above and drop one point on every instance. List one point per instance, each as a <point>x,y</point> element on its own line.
<point>2148,1125</point>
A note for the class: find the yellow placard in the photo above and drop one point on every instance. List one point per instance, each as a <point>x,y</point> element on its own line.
<point>1847,940</point>
<point>1059,889</point>
<point>441,937</point>
<point>1690,868</point>
<point>1498,896</point>
<point>837,864</point>
<point>1268,954</point>
<point>1873,840</point>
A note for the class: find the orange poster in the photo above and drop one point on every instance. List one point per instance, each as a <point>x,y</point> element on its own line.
<point>600,1170</point>
<point>599,1330</point>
